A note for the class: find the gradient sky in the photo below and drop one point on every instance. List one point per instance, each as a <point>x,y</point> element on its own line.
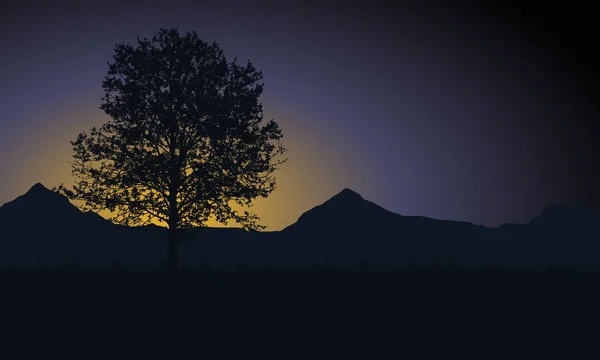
<point>467,112</point>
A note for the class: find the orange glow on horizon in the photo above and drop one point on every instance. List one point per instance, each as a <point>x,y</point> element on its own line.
<point>317,167</point>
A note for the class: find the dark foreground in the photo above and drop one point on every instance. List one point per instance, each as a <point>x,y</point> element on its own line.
<point>445,310</point>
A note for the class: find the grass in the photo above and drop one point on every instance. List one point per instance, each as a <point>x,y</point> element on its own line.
<point>434,303</point>
<point>315,270</point>
<point>314,276</point>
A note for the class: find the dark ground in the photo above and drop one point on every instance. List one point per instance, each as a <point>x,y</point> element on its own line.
<point>449,311</point>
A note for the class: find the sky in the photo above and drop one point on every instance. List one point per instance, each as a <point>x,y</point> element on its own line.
<point>457,110</point>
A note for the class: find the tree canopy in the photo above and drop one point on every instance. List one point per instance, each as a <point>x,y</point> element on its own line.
<point>185,139</point>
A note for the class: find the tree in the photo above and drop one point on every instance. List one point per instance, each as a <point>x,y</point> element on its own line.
<point>186,138</point>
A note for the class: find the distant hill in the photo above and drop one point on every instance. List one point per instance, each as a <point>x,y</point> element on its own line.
<point>347,210</point>
<point>42,225</point>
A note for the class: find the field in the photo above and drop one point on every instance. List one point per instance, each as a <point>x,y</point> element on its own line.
<point>435,304</point>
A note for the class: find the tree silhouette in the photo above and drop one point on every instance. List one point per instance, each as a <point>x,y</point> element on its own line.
<point>186,138</point>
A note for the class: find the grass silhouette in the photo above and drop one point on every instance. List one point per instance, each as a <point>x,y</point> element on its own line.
<point>314,272</point>
<point>474,306</point>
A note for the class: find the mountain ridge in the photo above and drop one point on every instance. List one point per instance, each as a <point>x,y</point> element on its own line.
<point>346,197</point>
<point>345,228</point>
<point>47,205</point>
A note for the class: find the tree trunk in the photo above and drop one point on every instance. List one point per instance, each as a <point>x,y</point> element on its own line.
<point>172,241</point>
<point>175,180</point>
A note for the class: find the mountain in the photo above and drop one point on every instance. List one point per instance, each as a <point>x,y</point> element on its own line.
<point>346,210</point>
<point>345,229</point>
<point>47,209</point>
<point>567,216</point>
<point>42,225</point>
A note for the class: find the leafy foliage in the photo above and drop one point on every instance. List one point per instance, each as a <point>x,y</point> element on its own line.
<point>186,137</point>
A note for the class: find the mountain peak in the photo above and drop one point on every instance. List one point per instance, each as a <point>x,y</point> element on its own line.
<point>348,194</point>
<point>573,213</point>
<point>567,210</point>
<point>346,207</point>
<point>37,188</point>
<point>345,198</point>
<point>41,205</point>
<point>40,193</point>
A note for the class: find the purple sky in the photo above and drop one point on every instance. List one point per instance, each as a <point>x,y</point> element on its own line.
<point>474,114</point>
